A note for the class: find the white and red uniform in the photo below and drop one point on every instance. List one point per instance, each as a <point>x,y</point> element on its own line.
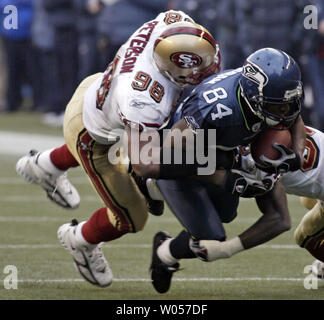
<point>138,92</point>
<point>130,91</point>
<point>309,180</point>
<point>306,182</point>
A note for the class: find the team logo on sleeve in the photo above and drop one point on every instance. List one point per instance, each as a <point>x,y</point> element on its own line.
<point>186,60</point>
<point>191,123</point>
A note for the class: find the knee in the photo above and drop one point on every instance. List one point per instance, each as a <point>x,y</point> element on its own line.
<point>229,218</point>
<point>310,225</point>
<point>308,203</point>
<point>139,223</point>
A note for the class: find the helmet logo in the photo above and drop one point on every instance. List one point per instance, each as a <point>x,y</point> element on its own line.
<point>186,60</point>
<point>255,74</point>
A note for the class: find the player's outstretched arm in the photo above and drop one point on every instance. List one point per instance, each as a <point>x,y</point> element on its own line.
<point>275,220</point>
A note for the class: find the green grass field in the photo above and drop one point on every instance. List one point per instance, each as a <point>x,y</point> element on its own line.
<point>28,225</point>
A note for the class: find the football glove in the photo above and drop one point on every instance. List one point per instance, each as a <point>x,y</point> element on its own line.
<point>244,185</point>
<point>289,161</point>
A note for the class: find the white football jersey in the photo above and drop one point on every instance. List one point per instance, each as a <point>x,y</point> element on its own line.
<point>309,181</point>
<point>132,90</point>
<point>306,182</point>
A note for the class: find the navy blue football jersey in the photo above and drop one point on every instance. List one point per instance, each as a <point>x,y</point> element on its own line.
<point>214,104</point>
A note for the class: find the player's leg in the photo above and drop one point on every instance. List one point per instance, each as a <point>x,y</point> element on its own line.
<point>127,211</point>
<point>224,202</point>
<point>48,169</point>
<point>191,204</point>
<point>309,234</point>
<point>125,207</point>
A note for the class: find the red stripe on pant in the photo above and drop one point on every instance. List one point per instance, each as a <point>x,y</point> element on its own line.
<point>84,147</point>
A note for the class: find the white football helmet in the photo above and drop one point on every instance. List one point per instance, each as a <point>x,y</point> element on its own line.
<point>186,53</point>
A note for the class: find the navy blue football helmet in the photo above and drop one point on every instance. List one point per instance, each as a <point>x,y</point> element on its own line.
<point>270,83</point>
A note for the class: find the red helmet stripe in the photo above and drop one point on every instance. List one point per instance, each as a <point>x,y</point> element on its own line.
<point>186,30</point>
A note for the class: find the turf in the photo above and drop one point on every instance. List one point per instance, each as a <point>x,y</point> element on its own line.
<point>28,225</point>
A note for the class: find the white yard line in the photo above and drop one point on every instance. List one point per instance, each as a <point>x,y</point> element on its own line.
<point>174,279</point>
<point>14,143</point>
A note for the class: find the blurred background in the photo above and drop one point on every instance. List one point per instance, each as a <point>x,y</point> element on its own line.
<point>60,42</point>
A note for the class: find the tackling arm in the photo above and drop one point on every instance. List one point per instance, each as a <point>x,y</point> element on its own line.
<point>153,169</point>
<point>179,140</point>
<point>231,180</point>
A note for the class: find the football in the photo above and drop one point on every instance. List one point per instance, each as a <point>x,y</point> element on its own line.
<point>262,144</point>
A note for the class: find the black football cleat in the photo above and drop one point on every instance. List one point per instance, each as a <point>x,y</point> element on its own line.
<point>161,273</point>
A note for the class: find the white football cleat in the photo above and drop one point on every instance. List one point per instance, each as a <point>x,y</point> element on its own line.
<point>88,259</point>
<point>318,269</point>
<point>58,189</point>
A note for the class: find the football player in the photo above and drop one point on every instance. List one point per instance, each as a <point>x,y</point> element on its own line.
<point>308,183</point>
<point>137,91</point>
<point>239,104</point>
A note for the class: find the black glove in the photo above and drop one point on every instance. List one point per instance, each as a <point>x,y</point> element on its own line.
<point>244,185</point>
<point>289,161</point>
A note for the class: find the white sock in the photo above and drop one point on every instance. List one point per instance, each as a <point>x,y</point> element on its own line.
<point>46,163</point>
<point>164,253</point>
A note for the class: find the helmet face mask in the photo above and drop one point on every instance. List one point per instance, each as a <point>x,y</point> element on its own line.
<point>271,87</point>
<point>186,53</point>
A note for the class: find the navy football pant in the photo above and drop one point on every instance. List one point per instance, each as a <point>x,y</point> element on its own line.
<point>201,208</point>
